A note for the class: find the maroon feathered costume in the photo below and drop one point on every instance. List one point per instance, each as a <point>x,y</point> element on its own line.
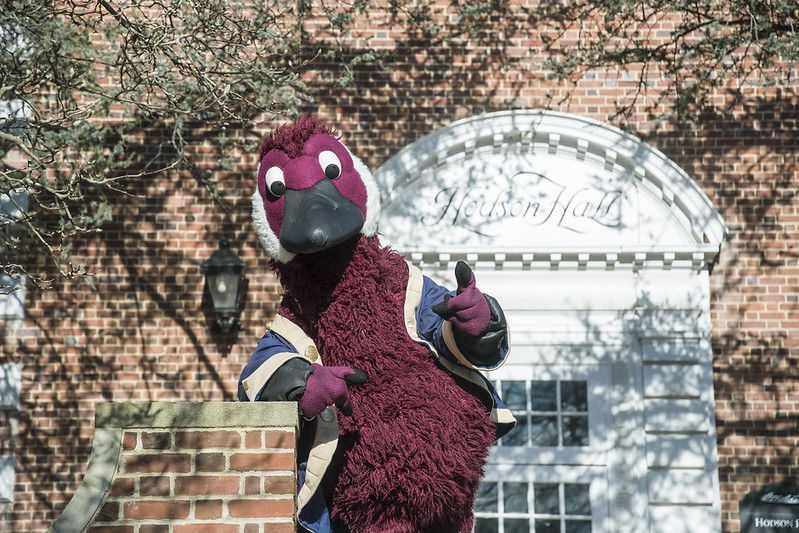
<point>411,455</point>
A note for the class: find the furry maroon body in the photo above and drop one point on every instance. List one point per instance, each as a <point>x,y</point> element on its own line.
<point>411,456</point>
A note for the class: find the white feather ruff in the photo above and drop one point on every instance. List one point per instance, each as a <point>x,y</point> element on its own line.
<point>269,241</point>
<point>372,198</point>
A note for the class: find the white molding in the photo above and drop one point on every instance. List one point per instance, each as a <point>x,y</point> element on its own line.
<point>699,257</point>
<point>524,133</point>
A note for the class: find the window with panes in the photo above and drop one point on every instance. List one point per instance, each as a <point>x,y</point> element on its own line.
<point>548,413</point>
<point>521,507</point>
<point>555,418</point>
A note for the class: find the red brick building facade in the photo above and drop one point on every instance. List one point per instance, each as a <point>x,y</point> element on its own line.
<point>138,329</point>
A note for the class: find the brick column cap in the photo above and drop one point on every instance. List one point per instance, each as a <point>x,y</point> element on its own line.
<point>197,415</point>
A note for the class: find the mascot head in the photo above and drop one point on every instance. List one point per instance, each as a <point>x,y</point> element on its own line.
<point>312,193</point>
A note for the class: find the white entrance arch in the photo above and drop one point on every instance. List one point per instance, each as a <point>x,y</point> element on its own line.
<point>599,249</point>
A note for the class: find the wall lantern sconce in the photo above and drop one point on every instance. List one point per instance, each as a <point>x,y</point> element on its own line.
<point>223,276</point>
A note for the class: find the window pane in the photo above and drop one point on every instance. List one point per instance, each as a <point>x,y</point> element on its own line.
<point>486,525</point>
<point>7,479</point>
<point>515,498</point>
<point>547,526</point>
<point>543,395</point>
<point>518,435</point>
<point>10,383</point>
<point>578,499</point>
<point>544,430</point>
<point>516,525</point>
<point>578,526</point>
<point>575,431</point>
<point>574,396</point>
<point>514,394</point>
<point>486,499</point>
<point>547,500</point>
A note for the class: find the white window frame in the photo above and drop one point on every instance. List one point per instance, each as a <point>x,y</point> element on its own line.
<point>10,385</point>
<point>7,478</point>
<point>595,476</point>
<point>12,288</point>
<point>597,378</point>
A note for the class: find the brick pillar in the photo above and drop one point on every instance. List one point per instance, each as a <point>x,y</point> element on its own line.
<point>188,467</point>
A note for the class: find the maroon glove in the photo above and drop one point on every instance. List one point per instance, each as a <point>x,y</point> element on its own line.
<point>327,385</point>
<point>468,309</point>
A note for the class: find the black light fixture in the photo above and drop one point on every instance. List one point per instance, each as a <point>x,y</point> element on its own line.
<point>223,275</point>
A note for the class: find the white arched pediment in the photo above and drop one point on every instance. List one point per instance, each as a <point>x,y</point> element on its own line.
<point>545,187</point>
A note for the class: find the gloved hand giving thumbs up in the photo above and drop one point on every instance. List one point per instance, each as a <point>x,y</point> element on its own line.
<point>479,325</point>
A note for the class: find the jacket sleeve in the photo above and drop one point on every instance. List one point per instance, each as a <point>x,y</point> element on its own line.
<point>438,332</point>
<point>275,371</point>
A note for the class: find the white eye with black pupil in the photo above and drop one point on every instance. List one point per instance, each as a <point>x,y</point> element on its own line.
<point>330,164</point>
<point>275,183</point>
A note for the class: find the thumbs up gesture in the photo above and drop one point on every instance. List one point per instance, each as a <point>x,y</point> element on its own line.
<point>479,325</point>
<point>468,310</point>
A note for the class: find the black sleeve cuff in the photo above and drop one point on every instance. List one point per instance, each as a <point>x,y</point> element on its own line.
<point>288,382</point>
<point>486,349</point>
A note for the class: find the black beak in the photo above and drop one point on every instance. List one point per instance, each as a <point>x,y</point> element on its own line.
<point>318,218</point>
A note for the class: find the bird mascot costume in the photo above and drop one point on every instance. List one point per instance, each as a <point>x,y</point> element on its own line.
<point>383,362</point>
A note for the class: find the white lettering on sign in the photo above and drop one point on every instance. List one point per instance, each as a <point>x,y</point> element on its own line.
<point>776,522</point>
<point>790,499</point>
<point>538,201</point>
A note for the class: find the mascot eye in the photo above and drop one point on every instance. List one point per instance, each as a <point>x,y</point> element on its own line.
<point>330,164</point>
<point>275,183</point>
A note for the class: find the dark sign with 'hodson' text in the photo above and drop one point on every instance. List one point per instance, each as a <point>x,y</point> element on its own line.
<point>773,509</point>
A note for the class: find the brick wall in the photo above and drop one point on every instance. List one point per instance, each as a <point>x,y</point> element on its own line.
<point>138,330</point>
<point>178,467</point>
<point>748,166</point>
